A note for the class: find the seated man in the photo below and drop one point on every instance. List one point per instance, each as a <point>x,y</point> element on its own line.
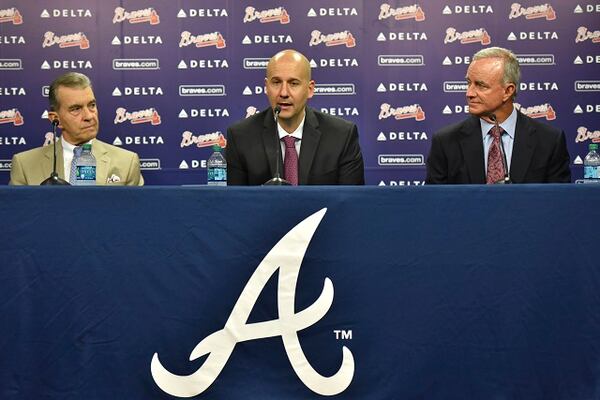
<point>73,106</point>
<point>476,151</point>
<point>317,149</point>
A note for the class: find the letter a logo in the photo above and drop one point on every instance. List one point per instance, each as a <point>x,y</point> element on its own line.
<point>286,256</point>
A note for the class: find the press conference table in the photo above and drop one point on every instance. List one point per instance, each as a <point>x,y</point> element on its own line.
<point>465,292</point>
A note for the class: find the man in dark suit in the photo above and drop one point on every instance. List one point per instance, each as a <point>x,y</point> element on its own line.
<point>471,152</point>
<point>324,149</point>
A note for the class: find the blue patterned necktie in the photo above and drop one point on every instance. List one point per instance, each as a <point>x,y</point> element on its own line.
<point>76,154</point>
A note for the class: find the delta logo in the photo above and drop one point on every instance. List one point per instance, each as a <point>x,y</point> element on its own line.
<point>11,15</point>
<point>138,117</point>
<point>584,134</point>
<point>136,17</point>
<point>413,111</point>
<point>474,36</point>
<point>207,140</point>
<point>73,40</point>
<point>204,40</point>
<point>541,11</point>
<point>11,116</point>
<point>539,111</point>
<point>584,34</point>
<point>334,39</point>
<point>415,11</point>
<point>271,15</point>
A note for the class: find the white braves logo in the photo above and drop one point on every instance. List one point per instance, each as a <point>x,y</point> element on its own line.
<point>286,256</point>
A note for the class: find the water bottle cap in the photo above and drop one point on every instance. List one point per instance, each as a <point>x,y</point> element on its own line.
<point>593,146</point>
<point>216,147</point>
<point>86,146</point>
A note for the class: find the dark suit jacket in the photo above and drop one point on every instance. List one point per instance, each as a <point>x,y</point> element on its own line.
<point>329,152</point>
<point>539,154</point>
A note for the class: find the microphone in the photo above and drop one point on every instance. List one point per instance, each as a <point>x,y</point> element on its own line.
<point>506,179</point>
<point>54,179</point>
<point>277,180</point>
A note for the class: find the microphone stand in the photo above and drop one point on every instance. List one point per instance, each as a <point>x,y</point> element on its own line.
<point>54,179</point>
<point>277,180</point>
<point>506,179</point>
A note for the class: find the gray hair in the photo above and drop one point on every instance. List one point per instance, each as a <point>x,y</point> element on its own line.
<point>74,80</point>
<point>512,70</point>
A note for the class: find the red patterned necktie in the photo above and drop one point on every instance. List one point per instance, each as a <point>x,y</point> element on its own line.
<point>495,171</point>
<point>290,164</point>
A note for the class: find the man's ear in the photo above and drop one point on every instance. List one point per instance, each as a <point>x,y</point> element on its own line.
<point>509,91</point>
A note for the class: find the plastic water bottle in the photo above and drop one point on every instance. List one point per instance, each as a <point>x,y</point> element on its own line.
<point>591,165</point>
<point>216,168</point>
<point>85,169</point>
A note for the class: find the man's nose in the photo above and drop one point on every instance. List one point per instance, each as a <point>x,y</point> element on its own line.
<point>284,90</point>
<point>470,92</point>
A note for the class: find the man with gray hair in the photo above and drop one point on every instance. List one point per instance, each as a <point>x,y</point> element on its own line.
<point>73,109</point>
<point>497,144</point>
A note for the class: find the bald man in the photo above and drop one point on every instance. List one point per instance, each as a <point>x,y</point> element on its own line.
<point>323,149</point>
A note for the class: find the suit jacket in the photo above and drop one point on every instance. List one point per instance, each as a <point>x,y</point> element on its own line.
<point>329,152</point>
<point>539,154</point>
<point>114,166</point>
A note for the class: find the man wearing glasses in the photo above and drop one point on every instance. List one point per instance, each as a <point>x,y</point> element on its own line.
<point>73,108</point>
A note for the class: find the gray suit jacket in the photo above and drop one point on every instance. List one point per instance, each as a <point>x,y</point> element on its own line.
<point>539,154</point>
<point>329,154</point>
<point>114,166</point>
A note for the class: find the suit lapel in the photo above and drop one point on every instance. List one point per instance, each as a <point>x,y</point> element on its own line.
<point>100,152</point>
<point>270,142</point>
<point>522,149</point>
<point>49,160</point>
<point>310,141</point>
<point>471,144</point>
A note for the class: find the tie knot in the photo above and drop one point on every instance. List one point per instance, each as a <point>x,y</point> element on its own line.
<point>77,151</point>
<point>289,141</point>
<point>496,132</point>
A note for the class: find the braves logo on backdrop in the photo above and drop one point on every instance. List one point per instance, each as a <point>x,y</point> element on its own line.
<point>334,39</point>
<point>286,256</point>
<point>271,15</point>
<point>539,111</point>
<point>415,11</point>
<point>205,40</point>
<point>584,134</point>
<point>206,140</point>
<point>250,111</point>
<point>136,17</point>
<point>474,36</point>
<point>11,15</point>
<point>137,117</point>
<point>73,40</point>
<point>413,111</point>
<point>584,34</point>
<point>11,116</point>
<point>541,11</point>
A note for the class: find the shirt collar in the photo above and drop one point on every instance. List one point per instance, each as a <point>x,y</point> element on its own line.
<point>69,148</point>
<point>509,125</point>
<point>297,133</point>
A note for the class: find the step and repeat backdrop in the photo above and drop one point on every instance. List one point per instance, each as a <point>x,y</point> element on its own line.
<point>170,76</point>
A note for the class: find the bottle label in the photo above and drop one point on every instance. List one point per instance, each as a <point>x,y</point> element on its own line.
<point>217,174</point>
<point>86,173</point>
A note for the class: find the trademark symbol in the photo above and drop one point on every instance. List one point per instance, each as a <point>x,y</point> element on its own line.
<point>341,334</point>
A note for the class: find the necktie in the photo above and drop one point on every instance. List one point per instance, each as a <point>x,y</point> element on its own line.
<point>290,164</point>
<point>495,170</point>
<point>76,154</point>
